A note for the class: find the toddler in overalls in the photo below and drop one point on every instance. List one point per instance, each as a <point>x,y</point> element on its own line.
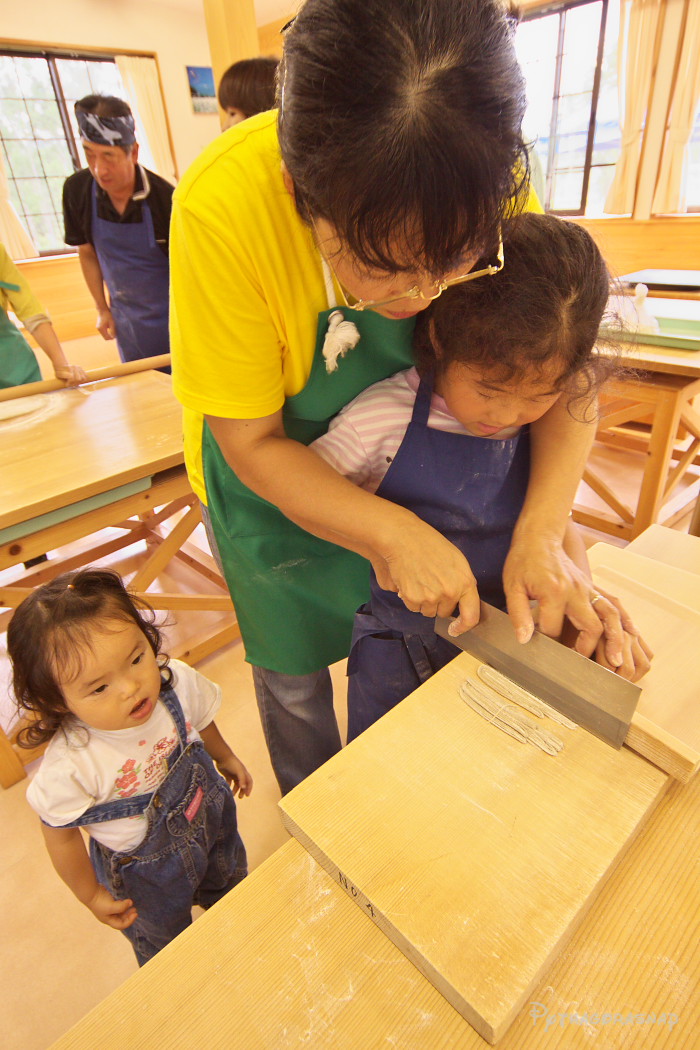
<point>448,439</point>
<point>131,753</point>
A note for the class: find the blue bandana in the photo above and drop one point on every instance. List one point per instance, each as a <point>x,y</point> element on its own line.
<point>106,131</point>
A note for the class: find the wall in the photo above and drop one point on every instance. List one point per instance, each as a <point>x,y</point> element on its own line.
<point>666,243</point>
<point>270,35</point>
<point>175,34</point>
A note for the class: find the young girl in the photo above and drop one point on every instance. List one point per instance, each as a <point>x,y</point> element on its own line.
<point>449,439</point>
<point>130,759</point>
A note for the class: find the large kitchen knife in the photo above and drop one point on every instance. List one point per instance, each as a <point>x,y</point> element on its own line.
<point>595,698</point>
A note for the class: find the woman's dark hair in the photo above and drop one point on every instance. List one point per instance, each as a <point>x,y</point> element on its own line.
<point>50,629</point>
<point>249,85</point>
<point>546,304</point>
<point>400,122</point>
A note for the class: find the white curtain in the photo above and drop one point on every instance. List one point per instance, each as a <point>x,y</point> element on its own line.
<point>669,195</point>
<point>13,235</point>
<point>140,77</point>
<point>639,22</point>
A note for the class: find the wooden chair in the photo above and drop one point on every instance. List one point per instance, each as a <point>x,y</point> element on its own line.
<point>653,416</point>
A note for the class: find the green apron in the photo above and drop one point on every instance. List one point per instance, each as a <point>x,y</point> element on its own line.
<point>296,595</point>
<point>18,365</point>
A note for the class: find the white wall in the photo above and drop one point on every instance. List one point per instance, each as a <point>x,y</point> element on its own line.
<point>175,32</point>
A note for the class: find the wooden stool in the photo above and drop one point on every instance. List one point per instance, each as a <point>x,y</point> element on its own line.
<point>668,442</point>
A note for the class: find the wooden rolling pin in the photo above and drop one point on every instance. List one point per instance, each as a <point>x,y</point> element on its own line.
<point>107,372</point>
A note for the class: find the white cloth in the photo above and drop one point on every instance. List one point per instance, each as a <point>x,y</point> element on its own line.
<point>365,436</point>
<point>84,767</point>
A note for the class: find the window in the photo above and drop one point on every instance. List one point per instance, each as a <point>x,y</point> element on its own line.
<point>693,178</point>
<point>569,60</point>
<point>39,135</point>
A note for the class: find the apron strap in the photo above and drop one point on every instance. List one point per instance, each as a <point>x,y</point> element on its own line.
<point>328,281</point>
<point>419,658</point>
<point>421,406</point>
<point>116,809</point>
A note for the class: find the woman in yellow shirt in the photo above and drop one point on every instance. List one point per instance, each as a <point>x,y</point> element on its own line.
<point>389,173</point>
<point>18,364</point>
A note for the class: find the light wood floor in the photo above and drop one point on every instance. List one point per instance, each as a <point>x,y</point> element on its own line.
<point>56,961</point>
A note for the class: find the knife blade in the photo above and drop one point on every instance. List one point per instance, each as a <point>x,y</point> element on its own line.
<point>594,697</point>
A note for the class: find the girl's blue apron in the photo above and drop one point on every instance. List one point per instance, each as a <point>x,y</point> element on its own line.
<point>191,854</point>
<point>18,365</point>
<point>296,595</point>
<point>471,490</point>
<point>136,273</point>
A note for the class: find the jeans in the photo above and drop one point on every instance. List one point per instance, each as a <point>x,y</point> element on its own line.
<point>192,852</point>
<point>193,856</point>
<point>298,721</point>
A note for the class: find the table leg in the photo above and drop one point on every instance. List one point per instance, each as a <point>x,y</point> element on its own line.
<point>661,441</point>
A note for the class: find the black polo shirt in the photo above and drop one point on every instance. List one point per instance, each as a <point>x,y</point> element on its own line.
<point>77,206</point>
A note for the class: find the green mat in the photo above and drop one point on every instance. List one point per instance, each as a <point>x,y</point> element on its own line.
<point>73,510</point>
<point>675,332</point>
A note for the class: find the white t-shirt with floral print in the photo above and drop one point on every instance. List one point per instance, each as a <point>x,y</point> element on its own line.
<point>84,767</point>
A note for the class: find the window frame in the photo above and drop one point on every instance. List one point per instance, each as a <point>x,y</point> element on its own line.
<point>51,54</point>
<point>530,14</point>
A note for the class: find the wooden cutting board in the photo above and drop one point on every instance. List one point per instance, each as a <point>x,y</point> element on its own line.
<point>476,854</point>
<point>664,602</point>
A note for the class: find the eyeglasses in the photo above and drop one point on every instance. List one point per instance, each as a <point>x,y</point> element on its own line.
<point>416,293</point>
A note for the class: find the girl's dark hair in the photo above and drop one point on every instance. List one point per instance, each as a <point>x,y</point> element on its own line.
<point>400,122</point>
<point>249,85</point>
<point>546,303</point>
<point>52,626</point>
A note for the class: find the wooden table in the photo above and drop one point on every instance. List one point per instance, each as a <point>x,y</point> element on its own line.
<point>288,960</point>
<point>108,455</point>
<point>660,398</point>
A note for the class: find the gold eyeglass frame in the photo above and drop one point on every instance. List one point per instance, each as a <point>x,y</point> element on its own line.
<point>416,293</point>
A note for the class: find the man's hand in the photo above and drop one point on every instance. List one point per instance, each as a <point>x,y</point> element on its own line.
<point>105,324</point>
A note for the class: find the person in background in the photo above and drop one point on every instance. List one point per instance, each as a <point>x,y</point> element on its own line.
<point>393,166</point>
<point>449,439</point>
<point>246,88</point>
<point>118,215</point>
<point>18,364</point>
<point>132,747</point>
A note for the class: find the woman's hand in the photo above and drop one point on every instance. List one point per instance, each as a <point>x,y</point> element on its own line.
<point>543,572</point>
<point>72,375</point>
<point>430,575</point>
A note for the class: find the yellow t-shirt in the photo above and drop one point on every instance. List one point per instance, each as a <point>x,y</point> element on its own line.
<point>22,303</point>
<point>246,285</point>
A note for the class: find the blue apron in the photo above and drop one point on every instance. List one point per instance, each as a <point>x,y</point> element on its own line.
<point>471,490</point>
<point>191,854</point>
<point>136,273</point>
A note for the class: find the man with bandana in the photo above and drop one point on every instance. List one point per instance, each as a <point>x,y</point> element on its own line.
<point>118,215</point>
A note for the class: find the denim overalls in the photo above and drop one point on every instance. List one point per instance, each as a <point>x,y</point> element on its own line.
<point>471,490</point>
<point>192,852</point>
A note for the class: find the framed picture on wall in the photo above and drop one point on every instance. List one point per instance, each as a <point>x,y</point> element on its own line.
<point>202,89</point>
